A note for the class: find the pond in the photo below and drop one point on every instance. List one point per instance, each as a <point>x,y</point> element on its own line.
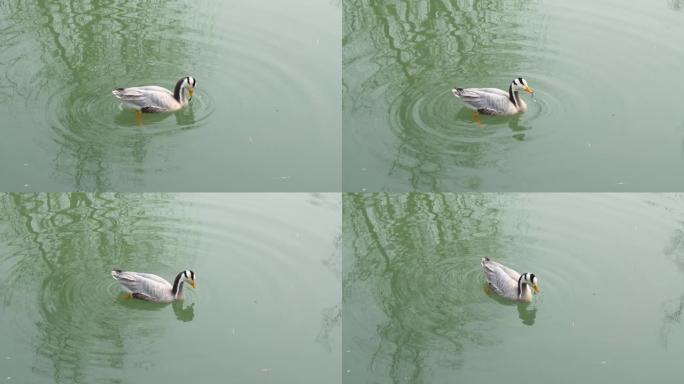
<point>265,115</point>
<point>606,114</point>
<point>267,268</point>
<point>416,308</point>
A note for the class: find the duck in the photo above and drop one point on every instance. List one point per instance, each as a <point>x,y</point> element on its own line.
<point>494,101</point>
<point>508,283</point>
<point>149,287</point>
<point>155,99</point>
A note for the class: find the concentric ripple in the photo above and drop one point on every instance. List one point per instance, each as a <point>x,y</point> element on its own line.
<point>405,131</point>
<point>417,302</point>
<point>75,322</point>
<point>258,89</point>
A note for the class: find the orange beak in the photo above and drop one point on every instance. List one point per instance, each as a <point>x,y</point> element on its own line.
<point>528,89</point>
<point>193,283</point>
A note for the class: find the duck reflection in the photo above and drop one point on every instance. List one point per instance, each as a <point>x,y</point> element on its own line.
<point>527,312</point>
<point>489,122</point>
<point>126,118</point>
<point>185,118</point>
<point>184,313</point>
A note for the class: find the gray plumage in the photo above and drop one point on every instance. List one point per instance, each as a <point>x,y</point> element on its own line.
<point>149,287</point>
<point>152,98</point>
<point>494,101</point>
<point>507,282</point>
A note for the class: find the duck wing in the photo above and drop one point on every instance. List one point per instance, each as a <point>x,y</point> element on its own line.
<point>501,278</point>
<point>149,98</point>
<point>144,285</point>
<point>491,101</point>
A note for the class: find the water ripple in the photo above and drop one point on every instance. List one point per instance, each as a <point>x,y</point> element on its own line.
<point>403,122</point>
<point>245,249</point>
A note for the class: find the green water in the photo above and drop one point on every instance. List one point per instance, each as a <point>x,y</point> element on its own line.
<point>606,115</point>
<point>415,309</point>
<point>265,116</point>
<point>266,308</point>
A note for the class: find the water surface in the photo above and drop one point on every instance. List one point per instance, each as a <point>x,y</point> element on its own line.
<point>268,87</point>
<point>415,308</point>
<point>265,310</point>
<point>606,116</point>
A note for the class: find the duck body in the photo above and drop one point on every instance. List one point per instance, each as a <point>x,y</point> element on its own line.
<point>508,283</point>
<point>494,101</point>
<point>150,287</point>
<point>153,99</point>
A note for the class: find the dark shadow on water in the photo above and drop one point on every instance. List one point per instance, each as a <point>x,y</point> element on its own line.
<point>184,313</point>
<point>672,318</point>
<point>673,309</point>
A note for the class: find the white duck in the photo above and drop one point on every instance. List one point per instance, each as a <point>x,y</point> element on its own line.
<point>152,98</point>
<point>149,287</point>
<point>494,101</point>
<point>508,283</point>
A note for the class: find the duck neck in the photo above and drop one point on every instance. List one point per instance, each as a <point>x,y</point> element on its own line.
<point>179,92</point>
<point>177,290</point>
<point>513,95</point>
<point>523,288</point>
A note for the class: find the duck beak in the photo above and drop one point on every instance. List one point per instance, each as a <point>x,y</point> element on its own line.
<point>193,283</point>
<point>528,89</point>
<point>191,91</point>
<point>536,288</point>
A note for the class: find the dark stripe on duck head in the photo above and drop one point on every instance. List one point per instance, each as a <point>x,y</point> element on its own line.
<point>177,283</point>
<point>177,89</point>
<point>511,97</point>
